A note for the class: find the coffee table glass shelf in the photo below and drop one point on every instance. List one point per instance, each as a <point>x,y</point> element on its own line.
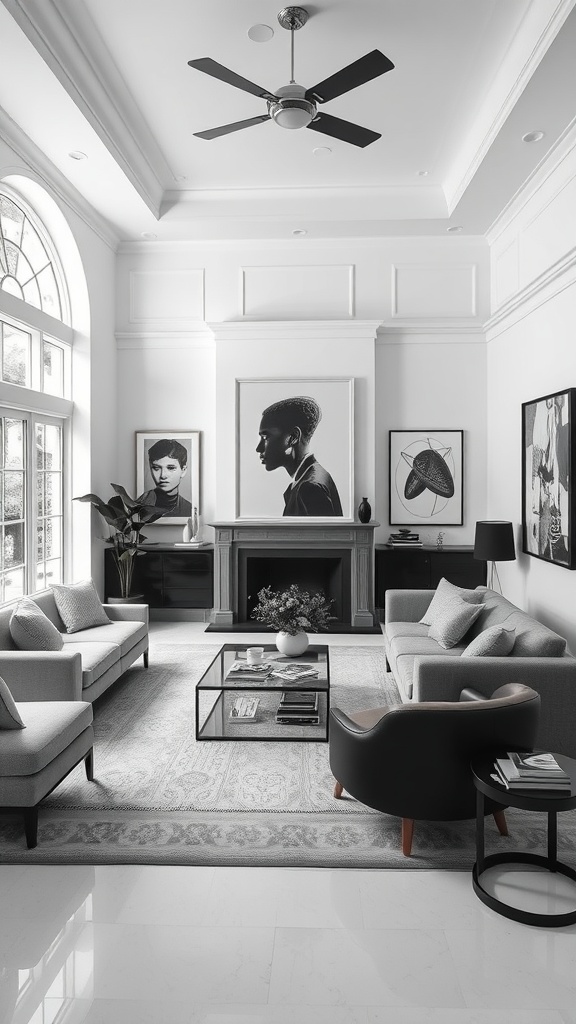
<point>220,695</point>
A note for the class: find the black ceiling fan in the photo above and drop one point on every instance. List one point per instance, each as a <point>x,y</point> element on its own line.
<point>293,106</point>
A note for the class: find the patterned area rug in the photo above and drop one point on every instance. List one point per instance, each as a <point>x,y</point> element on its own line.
<point>162,798</point>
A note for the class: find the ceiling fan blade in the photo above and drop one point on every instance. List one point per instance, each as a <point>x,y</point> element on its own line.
<point>211,67</point>
<point>343,130</point>
<point>362,70</point>
<point>225,129</point>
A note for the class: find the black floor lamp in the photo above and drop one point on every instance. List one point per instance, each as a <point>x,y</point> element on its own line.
<point>494,542</point>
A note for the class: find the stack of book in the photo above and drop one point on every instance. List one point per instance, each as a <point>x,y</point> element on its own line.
<point>405,539</point>
<point>294,672</point>
<point>250,672</point>
<point>296,708</point>
<point>519,771</point>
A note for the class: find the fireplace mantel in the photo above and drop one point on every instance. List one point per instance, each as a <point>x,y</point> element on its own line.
<point>230,537</point>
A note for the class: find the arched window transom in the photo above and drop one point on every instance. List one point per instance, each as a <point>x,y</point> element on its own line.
<point>27,268</point>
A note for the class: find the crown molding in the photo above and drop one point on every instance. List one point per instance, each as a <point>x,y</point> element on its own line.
<point>70,44</point>
<point>43,171</point>
<point>543,288</point>
<point>393,332</point>
<point>537,32</point>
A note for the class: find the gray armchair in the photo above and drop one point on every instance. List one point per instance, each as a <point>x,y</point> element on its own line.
<point>413,760</point>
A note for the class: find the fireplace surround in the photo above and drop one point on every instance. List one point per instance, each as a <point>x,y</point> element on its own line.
<point>337,558</point>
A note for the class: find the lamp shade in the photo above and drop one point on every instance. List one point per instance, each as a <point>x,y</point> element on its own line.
<point>494,541</point>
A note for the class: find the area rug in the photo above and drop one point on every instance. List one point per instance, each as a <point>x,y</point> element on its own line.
<point>160,797</point>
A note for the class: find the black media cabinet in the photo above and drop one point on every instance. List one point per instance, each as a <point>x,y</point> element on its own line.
<point>422,568</point>
<point>168,576</point>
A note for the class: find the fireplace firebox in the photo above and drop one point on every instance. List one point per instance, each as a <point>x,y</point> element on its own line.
<point>326,571</point>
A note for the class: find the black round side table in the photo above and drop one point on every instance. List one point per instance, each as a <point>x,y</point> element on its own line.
<point>529,800</point>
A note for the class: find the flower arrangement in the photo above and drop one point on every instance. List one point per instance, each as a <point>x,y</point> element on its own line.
<point>292,611</point>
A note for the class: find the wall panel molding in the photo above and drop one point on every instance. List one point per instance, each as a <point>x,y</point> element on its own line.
<point>297,290</point>
<point>433,290</point>
<point>167,296</point>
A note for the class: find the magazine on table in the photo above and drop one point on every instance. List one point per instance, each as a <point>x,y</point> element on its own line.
<point>295,671</point>
<point>244,709</point>
<point>535,765</point>
<point>251,671</point>
<point>508,776</point>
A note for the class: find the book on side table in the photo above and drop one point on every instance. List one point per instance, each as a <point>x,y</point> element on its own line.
<point>531,771</point>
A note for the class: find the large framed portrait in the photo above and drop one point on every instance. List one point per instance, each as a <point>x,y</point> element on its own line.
<point>168,473</point>
<point>426,477</point>
<point>295,448</point>
<point>548,476</point>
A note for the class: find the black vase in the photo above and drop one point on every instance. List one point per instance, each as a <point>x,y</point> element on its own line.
<point>364,511</point>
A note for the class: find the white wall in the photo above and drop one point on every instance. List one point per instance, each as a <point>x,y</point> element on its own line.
<point>427,368</point>
<point>531,353</point>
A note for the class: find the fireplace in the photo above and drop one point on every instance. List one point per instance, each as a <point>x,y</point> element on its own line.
<point>336,558</point>
<point>326,571</point>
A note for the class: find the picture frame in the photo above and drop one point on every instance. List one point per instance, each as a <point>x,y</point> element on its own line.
<point>426,477</point>
<point>548,477</point>
<point>178,460</point>
<point>282,474</point>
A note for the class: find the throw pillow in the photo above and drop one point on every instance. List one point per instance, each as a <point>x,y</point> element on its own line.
<point>79,606</point>
<point>455,620</point>
<point>492,643</point>
<point>9,717</point>
<point>31,629</point>
<point>445,593</point>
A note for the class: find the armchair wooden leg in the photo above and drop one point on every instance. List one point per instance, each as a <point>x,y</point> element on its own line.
<point>338,790</point>
<point>89,765</point>
<point>31,826</point>
<point>407,833</point>
<point>500,819</point>
<point>145,656</point>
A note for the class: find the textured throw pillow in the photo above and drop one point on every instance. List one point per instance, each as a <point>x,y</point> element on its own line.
<point>445,593</point>
<point>455,620</point>
<point>494,642</point>
<point>31,629</point>
<point>9,717</point>
<point>79,606</point>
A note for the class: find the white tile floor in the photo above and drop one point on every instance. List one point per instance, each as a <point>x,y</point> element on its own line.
<point>161,945</point>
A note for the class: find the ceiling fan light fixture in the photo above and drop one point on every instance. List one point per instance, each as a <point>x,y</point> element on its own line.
<point>292,113</point>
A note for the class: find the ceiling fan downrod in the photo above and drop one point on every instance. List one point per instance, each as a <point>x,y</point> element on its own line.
<point>292,18</point>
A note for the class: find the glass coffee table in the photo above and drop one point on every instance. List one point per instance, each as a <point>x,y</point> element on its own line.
<point>230,706</point>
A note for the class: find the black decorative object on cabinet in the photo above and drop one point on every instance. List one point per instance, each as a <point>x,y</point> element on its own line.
<point>364,511</point>
<point>423,568</point>
<point>168,577</point>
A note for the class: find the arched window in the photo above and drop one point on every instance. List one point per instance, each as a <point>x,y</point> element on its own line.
<point>35,402</point>
<point>29,266</point>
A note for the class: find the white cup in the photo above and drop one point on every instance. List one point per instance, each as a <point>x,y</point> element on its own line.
<point>254,654</point>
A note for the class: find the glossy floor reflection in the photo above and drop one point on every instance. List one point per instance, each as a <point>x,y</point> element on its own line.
<point>178,945</point>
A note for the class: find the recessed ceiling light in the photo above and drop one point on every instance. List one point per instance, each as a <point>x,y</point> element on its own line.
<point>454,229</point>
<point>260,33</point>
<point>77,154</point>
<point>181,177</point>
<point>149,235</point>
<point>321,151</point>
<point>533,136</point>
<point>422,174</point>
<point>299,232</point>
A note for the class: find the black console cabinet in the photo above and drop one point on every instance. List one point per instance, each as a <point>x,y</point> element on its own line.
<point>423,568</point>
<point>168,577</point>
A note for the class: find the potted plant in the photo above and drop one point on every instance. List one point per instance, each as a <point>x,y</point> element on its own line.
<point>126,518</point>
<point>291,612</point>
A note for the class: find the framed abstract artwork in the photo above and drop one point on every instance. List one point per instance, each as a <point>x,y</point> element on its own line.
<point>168,472</point>
<point>426,477</point>
<point>295,448</point>
<point>548,477</point>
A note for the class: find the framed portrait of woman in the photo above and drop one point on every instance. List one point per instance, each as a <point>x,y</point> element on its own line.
<point>295,448</point>
<point>168,473</point>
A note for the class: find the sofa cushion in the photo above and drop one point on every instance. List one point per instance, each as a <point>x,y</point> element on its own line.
<point>79,606</point>
<point>445,593</point>
<point>125,634</point>
<point>96,659</point>
<point>51,726</point>
<point>453,621</point>
<point>31,629</point>
<point>533,638</point>
<point>402,657</point>
<point>395,629</point>
<point>9,714</point>
<point>494,642</point>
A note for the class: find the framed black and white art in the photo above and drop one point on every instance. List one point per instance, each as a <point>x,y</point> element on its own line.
<point>295,448</point>
<point>548,476</point>
<point>426,477</point>
<point>168,472</point>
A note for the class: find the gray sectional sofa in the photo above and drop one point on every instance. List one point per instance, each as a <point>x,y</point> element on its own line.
<point>90,661</point>
<point>425,671</point>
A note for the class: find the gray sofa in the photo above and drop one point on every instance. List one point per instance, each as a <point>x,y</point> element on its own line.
<point>424,671</point>
<point>90,661</point>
